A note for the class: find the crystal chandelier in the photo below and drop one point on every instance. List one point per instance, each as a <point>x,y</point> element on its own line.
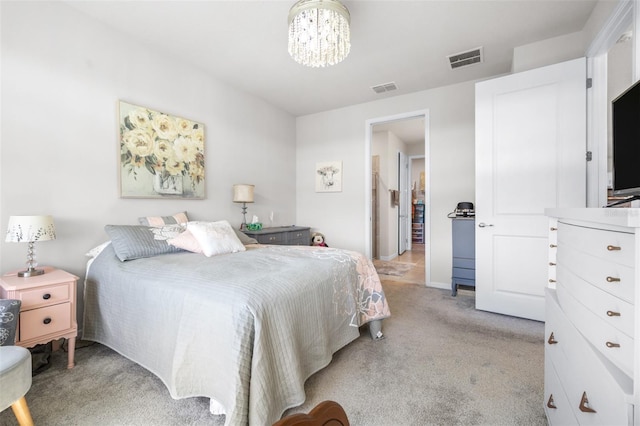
<point>319,32</point>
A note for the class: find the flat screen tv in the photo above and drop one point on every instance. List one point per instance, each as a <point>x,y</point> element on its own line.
<point>626,143</point>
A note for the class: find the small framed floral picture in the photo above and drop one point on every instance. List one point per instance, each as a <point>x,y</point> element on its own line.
<point>329,176</point>
<point>161,156</point>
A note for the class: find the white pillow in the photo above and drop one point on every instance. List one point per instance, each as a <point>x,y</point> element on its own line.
<point>215,237</point>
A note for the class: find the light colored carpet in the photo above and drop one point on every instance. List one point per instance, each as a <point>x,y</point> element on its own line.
<point>441,363</point>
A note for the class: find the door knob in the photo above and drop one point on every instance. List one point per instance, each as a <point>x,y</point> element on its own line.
<point>482,224</point>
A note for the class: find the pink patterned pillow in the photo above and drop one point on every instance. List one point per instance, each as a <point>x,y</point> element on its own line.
<point>178,218</point>
<point>186,241</point>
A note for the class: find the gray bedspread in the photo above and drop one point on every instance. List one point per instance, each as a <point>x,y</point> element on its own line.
<point>244,329</point>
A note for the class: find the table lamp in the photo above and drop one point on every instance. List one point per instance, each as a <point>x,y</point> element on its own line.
<point>30,229</point>
<point>243,193</point>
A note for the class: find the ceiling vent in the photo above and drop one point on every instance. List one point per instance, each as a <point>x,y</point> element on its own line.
<point>463,59</point>
<point>386,87</point>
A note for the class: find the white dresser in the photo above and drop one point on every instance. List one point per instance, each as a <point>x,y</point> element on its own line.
<point>592,353</point>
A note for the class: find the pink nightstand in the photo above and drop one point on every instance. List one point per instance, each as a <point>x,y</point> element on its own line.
<point>48,310</point>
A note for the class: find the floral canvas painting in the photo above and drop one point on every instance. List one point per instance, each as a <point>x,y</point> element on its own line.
<point>161,156</point>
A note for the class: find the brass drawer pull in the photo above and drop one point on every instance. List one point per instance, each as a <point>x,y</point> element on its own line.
<point>613,248</point>
<point>552,340</point>
<point>612,345</point>
<point>613,280</point>
<point>584,404</point>
<point>551,402</point>
<point>553,245</point>
<point>613,314</point>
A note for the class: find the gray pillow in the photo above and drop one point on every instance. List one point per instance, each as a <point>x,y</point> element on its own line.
<point>244,238</point>
<point>137,241</point>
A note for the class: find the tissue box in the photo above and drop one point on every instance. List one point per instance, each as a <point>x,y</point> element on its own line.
<point>254,226</point>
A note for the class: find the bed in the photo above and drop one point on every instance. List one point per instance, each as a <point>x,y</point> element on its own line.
<point>244,329</point>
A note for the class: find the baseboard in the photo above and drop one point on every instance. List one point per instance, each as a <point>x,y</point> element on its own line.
<point>443,286</point>
<point>388,258</point>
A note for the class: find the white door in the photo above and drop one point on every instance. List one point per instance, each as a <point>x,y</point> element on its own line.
<point>404,199</point>
<point>530,155</point>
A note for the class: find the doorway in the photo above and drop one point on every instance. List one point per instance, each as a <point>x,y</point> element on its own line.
<point>387,139</point>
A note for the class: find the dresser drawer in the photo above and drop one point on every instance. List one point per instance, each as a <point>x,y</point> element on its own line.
<point>583,373</point>
<point>610,246</point>
<point>614,278</point>
<point>45,296</point>
<point>44,321</point>
<point>469,274</point>
<point>299,238</point>
<point>270,238</point>
<point>609,309</point>
<point>606,339</point>
<point>556,404</point>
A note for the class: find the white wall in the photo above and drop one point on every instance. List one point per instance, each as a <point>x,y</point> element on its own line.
<point>548,52</point>
<point>62,75</point>
<point>340,135</point>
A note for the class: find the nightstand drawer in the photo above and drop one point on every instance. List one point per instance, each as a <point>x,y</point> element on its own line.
<point>299,238</point>
<point>44,321</point>
<point>459,262</point>
<point>282,235</point>
<point>270,238</point>
<point>469,274</point>
<point>45,296</point>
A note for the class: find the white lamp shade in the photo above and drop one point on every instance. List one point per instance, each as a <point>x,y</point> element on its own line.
<point>243,193</point>
<point>23,229</point>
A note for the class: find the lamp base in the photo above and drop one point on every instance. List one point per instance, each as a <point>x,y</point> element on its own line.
<point>31,272</point>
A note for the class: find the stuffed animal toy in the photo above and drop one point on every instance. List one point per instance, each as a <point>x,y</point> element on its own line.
<point>317,239</point>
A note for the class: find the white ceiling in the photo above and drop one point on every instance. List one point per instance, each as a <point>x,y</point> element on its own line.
<point>244,43</point>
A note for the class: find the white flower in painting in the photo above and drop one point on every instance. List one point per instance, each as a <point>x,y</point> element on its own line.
<point>197,136</point>
<point>139,142</point>
<point>139,118</point>
<point>185,127</point>
<point>174,167</point>
<point>185,150</point>
<point>163,150</point>
<point>165,127</point>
